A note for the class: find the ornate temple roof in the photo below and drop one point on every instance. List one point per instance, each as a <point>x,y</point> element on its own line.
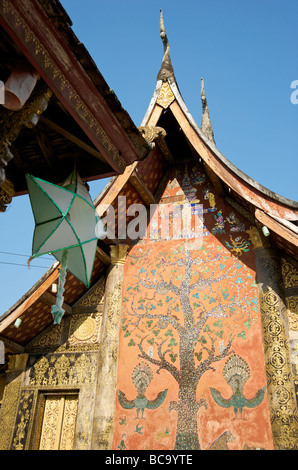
<point>173,137</point>
<point>167,109</point>
<point>71,114</point>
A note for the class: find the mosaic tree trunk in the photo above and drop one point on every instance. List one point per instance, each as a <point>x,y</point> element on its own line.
<point>181,308</point>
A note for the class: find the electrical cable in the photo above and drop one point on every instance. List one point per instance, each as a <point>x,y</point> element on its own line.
<point>18,254</point>
<point>19,264</point>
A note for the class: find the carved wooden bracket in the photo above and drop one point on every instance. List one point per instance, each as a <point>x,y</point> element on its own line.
<point>151,133</point>
<point>6,194</point>
<point>12,122</point>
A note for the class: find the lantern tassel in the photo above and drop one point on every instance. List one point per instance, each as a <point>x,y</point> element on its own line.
<point>57,309</point>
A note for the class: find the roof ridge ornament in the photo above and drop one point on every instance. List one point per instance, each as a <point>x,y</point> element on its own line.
<point>206,125</point>
<point>166,71</point>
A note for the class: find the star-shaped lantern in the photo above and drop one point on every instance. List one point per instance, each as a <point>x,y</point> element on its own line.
<point>65,226</point>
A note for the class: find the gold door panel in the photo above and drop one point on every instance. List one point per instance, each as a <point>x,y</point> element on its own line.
<point>59,421</point>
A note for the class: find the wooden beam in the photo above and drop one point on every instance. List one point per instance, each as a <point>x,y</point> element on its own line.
<point>72,138</point>
<point>142,189</point>
<point>163,146</point>
<point>214,179</point>
<point>114,190</point>
<point>51,53</point>
<point>45,147</point>
<point>11,346</point>
<point>155,115</point>
<point>282,231</point>
<point>11,318</point>
<point>162,185</point>
<point>50,299</point>
<point>103,256</point>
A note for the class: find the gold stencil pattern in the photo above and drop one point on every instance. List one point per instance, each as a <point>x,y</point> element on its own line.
<point>280,388</point>
<point>23,419</point>
<point>84,329</point>
<point>59,420</point>
<point>51,337</point>
<point>53,72</point>
<point>64,369</point>
<point>290,274</point>
<point>8,412</point>
<point>166,96</point>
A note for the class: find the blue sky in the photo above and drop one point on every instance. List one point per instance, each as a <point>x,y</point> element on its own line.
<point>245,51</point>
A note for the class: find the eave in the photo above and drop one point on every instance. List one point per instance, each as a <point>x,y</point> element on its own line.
<point>33,309</point>
<point>65,66</point>
<point>141,183</point>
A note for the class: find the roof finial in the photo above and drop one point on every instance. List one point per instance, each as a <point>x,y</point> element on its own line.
<point>206,125</point>
<point>166,70</point>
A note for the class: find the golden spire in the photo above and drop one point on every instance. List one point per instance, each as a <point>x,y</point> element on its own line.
<point>206,125</point>
<point>166,71</point>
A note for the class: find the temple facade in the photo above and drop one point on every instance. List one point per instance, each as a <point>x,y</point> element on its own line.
<point>186,338</point>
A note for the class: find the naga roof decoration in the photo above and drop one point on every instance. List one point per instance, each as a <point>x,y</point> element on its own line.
<point>170,132</point>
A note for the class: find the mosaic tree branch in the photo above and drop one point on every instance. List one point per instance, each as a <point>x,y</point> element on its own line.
<point>212,357</point>
<point>162,363</point>
<point>179,312</point>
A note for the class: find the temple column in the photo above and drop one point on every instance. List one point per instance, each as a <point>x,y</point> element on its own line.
<point>105,400</point>
<point>14,380</point>
<point>280,387</point>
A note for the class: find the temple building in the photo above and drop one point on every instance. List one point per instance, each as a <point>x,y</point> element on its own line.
<point>186,338</point>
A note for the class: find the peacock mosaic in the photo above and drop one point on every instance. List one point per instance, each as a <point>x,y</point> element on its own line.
<point>191,334</point>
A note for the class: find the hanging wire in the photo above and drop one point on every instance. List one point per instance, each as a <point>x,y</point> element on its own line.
<point>19,264</point>
<point>19,254</point>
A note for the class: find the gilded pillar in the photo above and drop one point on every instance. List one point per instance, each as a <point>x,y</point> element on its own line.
<point>9,407</point>
<point>280,386</point>
<point>290,278</point>
<point>103,421</point>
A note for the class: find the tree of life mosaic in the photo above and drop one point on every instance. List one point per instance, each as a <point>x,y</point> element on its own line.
<point>184,311</point>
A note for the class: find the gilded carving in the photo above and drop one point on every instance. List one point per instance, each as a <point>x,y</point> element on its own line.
<point>151,133</point>
<point>118,254</point>
<point>61,81</point>
<point>69,422</point>
<point>51,420</point>
<point>166,96</point>
<point>292,304</point>
<point>290,274</point>
<point>23,420</point>
<point>49,338</point>
<point>93,300</point>
<point>290,279</point>
<point>280,388</point>
<point>12,122</point>
<point>84,328</point>
<point>114,308</point>
<point>64,369</point>
<point>40,368</point>
<point>59,419</point>
<point>8,413</point>
<point>6,194</point>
